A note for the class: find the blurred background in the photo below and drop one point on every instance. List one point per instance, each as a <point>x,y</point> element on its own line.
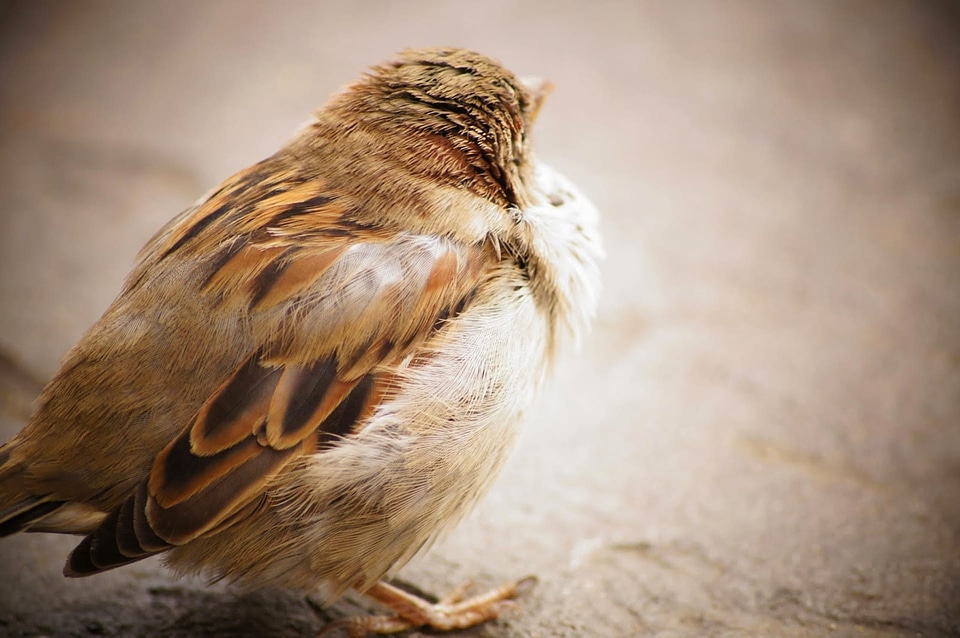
<point>762,435</point>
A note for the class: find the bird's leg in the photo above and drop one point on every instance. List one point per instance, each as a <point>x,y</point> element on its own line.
<point>454,611</point>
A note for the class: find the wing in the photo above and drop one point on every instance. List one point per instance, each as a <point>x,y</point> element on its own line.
<point>333,305</point>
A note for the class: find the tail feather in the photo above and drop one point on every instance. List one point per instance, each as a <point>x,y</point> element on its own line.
<point>19,516</point>
<point>19,509</point>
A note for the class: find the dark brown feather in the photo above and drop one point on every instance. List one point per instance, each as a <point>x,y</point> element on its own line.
<point>19,516</point>
<point>304,398</point>
<point>236,410</point>
<point>208,507</point>
<point>146,537</point>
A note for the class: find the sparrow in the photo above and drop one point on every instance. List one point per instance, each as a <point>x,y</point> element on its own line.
<point>318,368</point>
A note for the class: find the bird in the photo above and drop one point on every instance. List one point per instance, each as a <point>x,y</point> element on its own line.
<point>316,370</point>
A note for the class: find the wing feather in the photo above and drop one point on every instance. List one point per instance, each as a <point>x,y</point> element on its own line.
<point>305,396</point>
<point>338,306</point>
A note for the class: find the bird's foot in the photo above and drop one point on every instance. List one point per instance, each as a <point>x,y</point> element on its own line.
<point>453,611</point>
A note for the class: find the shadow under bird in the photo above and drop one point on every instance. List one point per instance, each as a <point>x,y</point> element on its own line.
<point>321,365</point>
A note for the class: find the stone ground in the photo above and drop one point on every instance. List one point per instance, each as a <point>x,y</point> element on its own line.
<point>761,436</point>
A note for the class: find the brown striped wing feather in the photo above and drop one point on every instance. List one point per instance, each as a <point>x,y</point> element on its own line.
<point>342,303</point>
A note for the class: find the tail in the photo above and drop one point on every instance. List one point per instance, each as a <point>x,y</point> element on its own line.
<point>107,544</point>
<point>19,510</point>
<point>22,515</point>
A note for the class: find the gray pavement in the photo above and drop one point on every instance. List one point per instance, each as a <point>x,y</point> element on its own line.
<point>762,436</point>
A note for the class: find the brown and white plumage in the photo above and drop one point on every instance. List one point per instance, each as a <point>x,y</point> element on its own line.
<point>321,365</point>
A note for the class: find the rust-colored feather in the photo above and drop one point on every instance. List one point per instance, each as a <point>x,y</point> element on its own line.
<point>296,275</point>
<point>179,475</point>
<point>235,411</point>
<point>236,276</point>
<point>207,508</point>
<point>304,398</point>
